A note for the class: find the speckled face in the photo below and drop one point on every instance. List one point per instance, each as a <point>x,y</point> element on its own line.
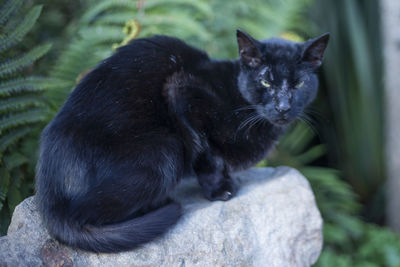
<point>278,76</point>
<point>279,93</point>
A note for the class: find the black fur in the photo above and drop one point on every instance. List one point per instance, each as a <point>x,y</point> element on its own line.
<point>154,112</point>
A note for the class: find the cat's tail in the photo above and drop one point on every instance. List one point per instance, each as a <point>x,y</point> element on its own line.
<point>117,237</point>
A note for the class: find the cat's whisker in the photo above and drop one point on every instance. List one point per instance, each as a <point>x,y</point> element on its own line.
<point>247,121</point>
<point>242,125</point>
<point>257,119</point>
<point>250,107</point>
<point>251,120</point>
<point>311,119</point>
<point>250,124</point>
<point>315,113</point>
<point>309,122</point>
<point>255,122</point>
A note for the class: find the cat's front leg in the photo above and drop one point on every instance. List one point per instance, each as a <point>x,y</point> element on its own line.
<point>214,178</point>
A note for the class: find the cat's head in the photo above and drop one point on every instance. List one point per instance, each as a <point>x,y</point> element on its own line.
<point>277,76</point>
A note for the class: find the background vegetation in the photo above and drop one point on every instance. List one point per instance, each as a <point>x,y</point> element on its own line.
<point>337,146</point>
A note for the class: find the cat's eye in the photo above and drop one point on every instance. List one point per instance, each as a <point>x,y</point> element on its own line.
<point>299,85</point>
<point>265,84</point>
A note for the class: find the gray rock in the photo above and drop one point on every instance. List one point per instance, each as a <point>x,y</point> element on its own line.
<point>273,221</point>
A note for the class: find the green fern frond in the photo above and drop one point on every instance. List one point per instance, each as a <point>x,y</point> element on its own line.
<point>70,65</point>
<point>12,137</point>
<point>104,6</point>
<point>102,34</point>
<point>8,8</point>
<point>19,102</point>
<point>29,84</point>
<point>162,23</point>
<point>16,64</point>
<point>200,7</point>
<point>14,196</point>
<point>116,19</point>
<point>22,107</point>
<point>14,160</point>
<point>17,34</point>
<point>4,183</point>
<point>22,118</point>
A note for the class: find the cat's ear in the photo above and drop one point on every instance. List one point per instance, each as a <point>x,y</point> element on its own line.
<point>314,50</point>
<point>248,51</point>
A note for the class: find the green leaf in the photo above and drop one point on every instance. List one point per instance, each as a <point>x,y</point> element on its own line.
<point>329,258</point>
<point>20,102</point>
<point>8,8</point>
<point>103,6</point>
<point>351,224</point>
<point>198,6</point>
<point>23,61</point>
<point>12,137</point>
<point>21,84</point>
<point>392,255</point>
<point>164,23</point>
<point>14,160</point>
<point>119,18</point>
<point>312,154</point>
<point>335,234</point>
<point>102,34</point>
<point>14,197</point>
<point>16,35</point>
<point>5,219</point>
<point>4,182</point>
<point>22,118</point>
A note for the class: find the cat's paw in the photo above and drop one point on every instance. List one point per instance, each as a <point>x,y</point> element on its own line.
<point>225,192</point>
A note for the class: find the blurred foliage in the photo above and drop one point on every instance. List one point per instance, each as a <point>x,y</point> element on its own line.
<point>22,108</point>
<point>376,247</point>
<point>353,84</point>
<point>86,32</point>
<point>93,35</point>
<point>261,18</point>
<point>90,38</point>
<point>211,25</point>
<point>348,240</point>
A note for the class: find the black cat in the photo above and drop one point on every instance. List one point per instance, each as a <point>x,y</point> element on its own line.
<point>155,111</point>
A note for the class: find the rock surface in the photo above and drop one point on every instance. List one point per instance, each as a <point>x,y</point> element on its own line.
<point>273,221</point>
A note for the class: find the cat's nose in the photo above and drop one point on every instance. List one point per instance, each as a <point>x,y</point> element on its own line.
<point>282,107</point>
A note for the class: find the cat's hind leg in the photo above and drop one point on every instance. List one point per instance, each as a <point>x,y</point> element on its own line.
<point>214,178</point>
<point>127,203</point>
<point>138,180</point>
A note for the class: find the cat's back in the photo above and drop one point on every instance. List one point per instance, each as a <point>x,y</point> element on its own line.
<point>158,54</point>
<point>136,71</point>
<point>125,90</point>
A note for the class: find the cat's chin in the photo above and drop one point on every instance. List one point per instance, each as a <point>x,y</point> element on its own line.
<point>281,122</point>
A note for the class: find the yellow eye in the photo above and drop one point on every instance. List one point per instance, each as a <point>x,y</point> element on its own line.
<point>265,84</point>
<point>299,85</point>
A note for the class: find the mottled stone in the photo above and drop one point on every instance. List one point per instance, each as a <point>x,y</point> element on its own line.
<point>273,221</point>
